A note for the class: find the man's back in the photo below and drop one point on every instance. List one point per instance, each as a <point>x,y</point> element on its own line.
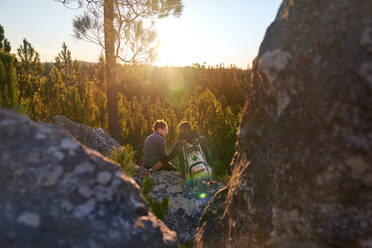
<point>154,149</point>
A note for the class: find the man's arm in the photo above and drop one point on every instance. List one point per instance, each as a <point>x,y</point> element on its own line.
<point>161,147</point>
<point>165,159</point>
<point>157,166</point>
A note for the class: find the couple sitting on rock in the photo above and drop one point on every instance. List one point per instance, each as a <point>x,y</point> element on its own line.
<point>154,156</point>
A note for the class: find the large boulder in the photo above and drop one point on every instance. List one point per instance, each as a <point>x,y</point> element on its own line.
<point>56,193</point>
<point>97,139</point>
<point>302,176</point>
<point>188,199</point>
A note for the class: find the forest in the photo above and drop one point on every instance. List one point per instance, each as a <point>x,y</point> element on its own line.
<point>210,98</point>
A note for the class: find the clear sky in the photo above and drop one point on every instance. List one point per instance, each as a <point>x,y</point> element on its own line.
<point>210,31</point>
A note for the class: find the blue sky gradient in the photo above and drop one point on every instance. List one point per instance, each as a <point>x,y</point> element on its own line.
<point>209,31</point>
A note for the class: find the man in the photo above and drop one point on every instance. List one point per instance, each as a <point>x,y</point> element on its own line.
<point>154,157</point>
<point>186,134</point>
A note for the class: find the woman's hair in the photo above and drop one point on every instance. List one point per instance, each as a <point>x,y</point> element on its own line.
<point>184,125</point>
<point>184,130</point>
<point>159,124</point>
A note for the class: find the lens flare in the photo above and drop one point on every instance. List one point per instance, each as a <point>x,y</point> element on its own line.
<point>202,195</point>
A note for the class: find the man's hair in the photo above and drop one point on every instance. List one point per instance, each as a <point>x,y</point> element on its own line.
<point>159,124</point>
<point>184,125</point>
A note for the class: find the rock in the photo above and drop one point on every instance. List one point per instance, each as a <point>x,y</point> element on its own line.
<point>187,201</point>
<point>96,139</point>
<point>302,174</point>
<point>67,195</point>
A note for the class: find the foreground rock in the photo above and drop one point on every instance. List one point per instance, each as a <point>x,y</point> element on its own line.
<point>302,176</point>
<point>97,139</point>
<point>55,193</point>
<point>187,199</point>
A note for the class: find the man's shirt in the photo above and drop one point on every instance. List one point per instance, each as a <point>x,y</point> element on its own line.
<point>154,150</point>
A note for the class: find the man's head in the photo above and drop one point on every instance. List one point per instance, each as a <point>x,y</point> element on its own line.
<point>184,129</point>
<point>160,126</point>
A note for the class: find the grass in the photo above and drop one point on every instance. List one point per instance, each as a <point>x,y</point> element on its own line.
<point>124,156</point>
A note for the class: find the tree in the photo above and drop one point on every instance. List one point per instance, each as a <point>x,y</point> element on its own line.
<point>204,112</point>
<point>8,77</point>
<point>126,34</point>
<point>217,124</point>
<point>4,43</point>
<point>29,69</point>
<point>30,80</point>
<point>66,93</point>
<point>70,70</point>
<point>111,88</point>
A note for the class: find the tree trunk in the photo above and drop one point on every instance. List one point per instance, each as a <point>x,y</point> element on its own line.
<point>112,101</point>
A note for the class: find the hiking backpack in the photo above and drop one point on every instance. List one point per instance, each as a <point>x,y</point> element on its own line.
<point>195,162</point>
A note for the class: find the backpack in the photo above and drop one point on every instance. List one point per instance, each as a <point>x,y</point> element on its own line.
<point>195,162</point>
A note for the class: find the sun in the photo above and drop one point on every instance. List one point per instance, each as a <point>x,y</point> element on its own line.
<point>174,45</point>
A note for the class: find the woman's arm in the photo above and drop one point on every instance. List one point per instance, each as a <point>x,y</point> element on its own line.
<point>174,151</point>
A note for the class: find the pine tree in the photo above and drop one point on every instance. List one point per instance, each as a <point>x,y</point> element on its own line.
<point>204,112</point>
<point>8,78</point>
<point>29,71</point>
<point>4,43</point>
<point>67,94</point>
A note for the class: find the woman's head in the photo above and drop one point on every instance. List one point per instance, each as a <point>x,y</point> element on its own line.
<point>184,129</point>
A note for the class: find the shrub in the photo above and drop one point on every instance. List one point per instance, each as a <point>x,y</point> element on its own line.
<point>187,244</point>
<point>219,168</point>
<point>220,172</point>
<point>8,81</point>
<point>159,208</point>
<point>148,185</point>
<point>124,156</point>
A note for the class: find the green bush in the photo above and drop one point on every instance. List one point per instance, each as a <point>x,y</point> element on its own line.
<point>219,168</point>
<point>124,156</point>
<point>159,208</point>
<point>8,81</point>
<point>148,185</point>
<point>187,244</point>
<point>220,172</point>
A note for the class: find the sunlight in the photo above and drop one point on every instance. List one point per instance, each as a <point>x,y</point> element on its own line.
<point>171,48</point>
<point>176,46</point>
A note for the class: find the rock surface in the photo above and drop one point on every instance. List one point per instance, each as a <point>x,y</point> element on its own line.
<point>302,176</point>
<point>97,139</point>
<point>187,201</point>
<point>56,193</point>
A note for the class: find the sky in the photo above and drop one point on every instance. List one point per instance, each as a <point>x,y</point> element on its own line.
<point>208,31</point>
